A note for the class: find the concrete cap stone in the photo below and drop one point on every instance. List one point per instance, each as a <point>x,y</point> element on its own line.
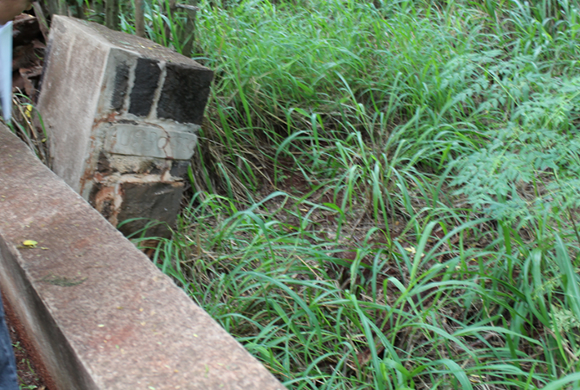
<point>101,315</point>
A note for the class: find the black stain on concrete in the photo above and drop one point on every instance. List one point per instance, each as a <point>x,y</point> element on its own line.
<point>179,168</point>
<point>93,194</point>
<point>121,86</point>
<point>103,164</point>
<point>150,202</point>
<point>147,75</point>
<point>184,93</point>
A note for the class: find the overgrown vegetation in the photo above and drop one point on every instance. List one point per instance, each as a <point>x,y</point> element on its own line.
<point>385,193</point>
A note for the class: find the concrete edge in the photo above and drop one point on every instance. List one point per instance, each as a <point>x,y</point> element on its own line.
<point>98,312</point>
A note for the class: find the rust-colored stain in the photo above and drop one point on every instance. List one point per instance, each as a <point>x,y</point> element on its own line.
<point>89,172</point>
<point>112,117</point>
<point>98,176</point>
<point>107,202</point>
<point>87,176</point>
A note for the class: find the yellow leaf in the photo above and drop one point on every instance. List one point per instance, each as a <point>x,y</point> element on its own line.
<point>29,243</point>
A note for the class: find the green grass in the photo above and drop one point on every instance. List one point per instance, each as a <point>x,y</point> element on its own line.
<point>385,193</point>
<point>28,125</point>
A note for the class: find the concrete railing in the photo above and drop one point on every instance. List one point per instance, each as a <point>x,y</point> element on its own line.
<point>99,314</point>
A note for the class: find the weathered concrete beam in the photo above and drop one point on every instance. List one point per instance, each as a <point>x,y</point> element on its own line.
<point>99,313</point>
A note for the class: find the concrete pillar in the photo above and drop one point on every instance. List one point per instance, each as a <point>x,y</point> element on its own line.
<point>122,114</point>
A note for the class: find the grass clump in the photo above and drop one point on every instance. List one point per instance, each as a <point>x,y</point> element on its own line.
<point>385,193</point>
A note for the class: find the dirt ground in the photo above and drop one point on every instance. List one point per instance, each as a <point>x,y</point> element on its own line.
<point>29,376</point>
